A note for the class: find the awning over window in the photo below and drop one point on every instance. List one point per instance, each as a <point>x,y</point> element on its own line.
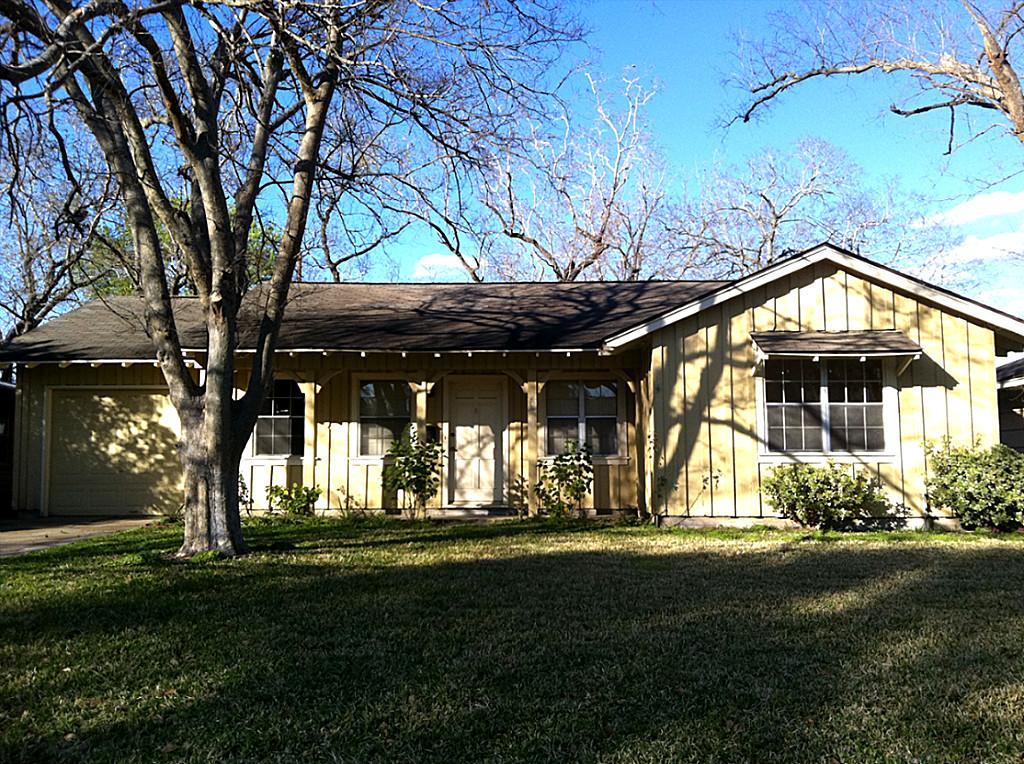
<point>863,344</point>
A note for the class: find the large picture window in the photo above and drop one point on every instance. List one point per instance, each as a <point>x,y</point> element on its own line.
<point>834,406</point>
<point>280,428</point>
<point>586,412</point>
<point>385,411</point>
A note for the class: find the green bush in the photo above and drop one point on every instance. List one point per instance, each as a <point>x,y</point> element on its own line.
<point>566,480</point>
<point>295,500</point>
<point>413,466</point>
<point>983,487</point>
<point>826,497</point>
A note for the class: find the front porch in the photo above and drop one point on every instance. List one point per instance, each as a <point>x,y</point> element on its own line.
<point>497,416</point>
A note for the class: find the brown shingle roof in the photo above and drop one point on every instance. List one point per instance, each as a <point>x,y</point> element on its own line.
<point>1010,370</point>
<point>376,317</point>
<point>855,343</point>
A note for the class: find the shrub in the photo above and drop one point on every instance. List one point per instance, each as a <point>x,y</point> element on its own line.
<point>413,467</point>
<point>295,500</point>
<point>983,487</point>
<point>244,499</point>
<point>566,480</point>
<point>826,497</point>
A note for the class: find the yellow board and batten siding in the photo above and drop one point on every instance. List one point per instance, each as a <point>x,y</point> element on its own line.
<point>52,466</point>
<point>704,389</point>
<point>353,481</point>
<point>96,440</point>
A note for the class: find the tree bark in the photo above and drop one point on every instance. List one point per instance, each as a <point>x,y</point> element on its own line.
<point>211,451</point>
<point>212,517</point>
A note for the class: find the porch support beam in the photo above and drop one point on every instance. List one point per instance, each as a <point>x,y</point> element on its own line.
<point>309,391</point>
<point>640,446</point>
<point>421,390</point>
<point>532,441</point>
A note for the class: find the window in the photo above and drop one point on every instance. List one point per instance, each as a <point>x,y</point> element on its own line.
<point>834,406</point>
<point>585,412</point>
<point>280,428</point>
<point>384,414</point>
<point>855,405</point>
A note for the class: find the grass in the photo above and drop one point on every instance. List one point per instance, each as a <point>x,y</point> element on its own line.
<point>516,641</point>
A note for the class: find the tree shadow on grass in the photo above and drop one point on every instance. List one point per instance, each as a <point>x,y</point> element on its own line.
<point>789,654</point>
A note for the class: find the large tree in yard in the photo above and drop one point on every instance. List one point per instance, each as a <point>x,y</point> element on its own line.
<point>960,57</point>
<point>249,108</point>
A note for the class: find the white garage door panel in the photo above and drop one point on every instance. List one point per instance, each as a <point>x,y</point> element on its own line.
<point>113,453</point>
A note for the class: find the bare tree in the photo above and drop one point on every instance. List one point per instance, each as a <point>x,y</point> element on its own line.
<point>51,227</point>
<point>960,56</point>
<point>234,102</point>
<point>742,219</point>
<point>589,200</point>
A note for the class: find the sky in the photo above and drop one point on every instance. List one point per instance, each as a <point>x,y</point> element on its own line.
<point>687,48</point>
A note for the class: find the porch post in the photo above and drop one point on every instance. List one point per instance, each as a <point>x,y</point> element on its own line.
<point>643,476</point>
<point>308,390</point>
<point>532,445</point>
<point>421,390</point>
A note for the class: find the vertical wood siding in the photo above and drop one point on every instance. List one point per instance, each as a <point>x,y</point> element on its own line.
<point>331,458</point>
<point>31,416</point>
<point>704,390</point>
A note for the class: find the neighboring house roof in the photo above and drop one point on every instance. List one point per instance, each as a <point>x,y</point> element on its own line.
<point>885,342</point>
<point>380,317</point>
<point>1003,323</point>
<point>1011,374</point>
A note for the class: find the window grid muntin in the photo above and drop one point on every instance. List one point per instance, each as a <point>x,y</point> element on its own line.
<point>856,410</point>
<point>377,431</point>
<point>859,380</point>
<point>280,426</point>
<point>589,423</point>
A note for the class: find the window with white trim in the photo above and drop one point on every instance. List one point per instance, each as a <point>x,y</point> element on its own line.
<point>834,406</point>
<point>385,411</point>
<point>584,411</point>
<point>280,428</point>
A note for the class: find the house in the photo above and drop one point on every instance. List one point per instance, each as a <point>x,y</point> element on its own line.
<point>688,392</point>
<point>6,445</point>
<point>1011,403</point>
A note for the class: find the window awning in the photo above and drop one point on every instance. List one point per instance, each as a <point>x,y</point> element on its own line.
<point>877,343</point>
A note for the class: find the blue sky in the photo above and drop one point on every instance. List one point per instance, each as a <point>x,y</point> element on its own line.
<point>687,48</point>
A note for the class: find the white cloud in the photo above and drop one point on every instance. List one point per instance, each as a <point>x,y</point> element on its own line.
<point>439,266</point>
<point>980,207</point>
<point>983,248</point>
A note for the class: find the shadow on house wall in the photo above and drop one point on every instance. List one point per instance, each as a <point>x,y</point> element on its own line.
<point>113,453</point>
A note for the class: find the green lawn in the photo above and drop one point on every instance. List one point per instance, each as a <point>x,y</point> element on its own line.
<point>371,641</point>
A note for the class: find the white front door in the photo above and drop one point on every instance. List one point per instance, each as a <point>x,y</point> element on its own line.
<point>476,415</point>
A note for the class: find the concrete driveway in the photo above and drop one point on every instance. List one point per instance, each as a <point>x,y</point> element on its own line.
<point>18,536</point>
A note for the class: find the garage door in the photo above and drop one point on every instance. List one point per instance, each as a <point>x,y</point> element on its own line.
<point>113,453</point>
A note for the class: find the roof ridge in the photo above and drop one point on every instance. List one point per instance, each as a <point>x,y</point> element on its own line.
<point>509,283</point>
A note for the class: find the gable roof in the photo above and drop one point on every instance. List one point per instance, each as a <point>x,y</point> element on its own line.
<point>1003,323</point>
<point>379,317</point>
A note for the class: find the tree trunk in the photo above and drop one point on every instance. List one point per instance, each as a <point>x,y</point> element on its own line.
<point>212,516</point>
<point>211,450</point>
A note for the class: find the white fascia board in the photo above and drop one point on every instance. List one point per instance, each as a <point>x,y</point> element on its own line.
<point>856,265</point>
<point>857,354</point>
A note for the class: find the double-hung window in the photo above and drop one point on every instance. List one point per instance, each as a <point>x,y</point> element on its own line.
<point>280,428</point>
<point>830,406</point>
<point>585,412</point>
<point>385,408</point>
